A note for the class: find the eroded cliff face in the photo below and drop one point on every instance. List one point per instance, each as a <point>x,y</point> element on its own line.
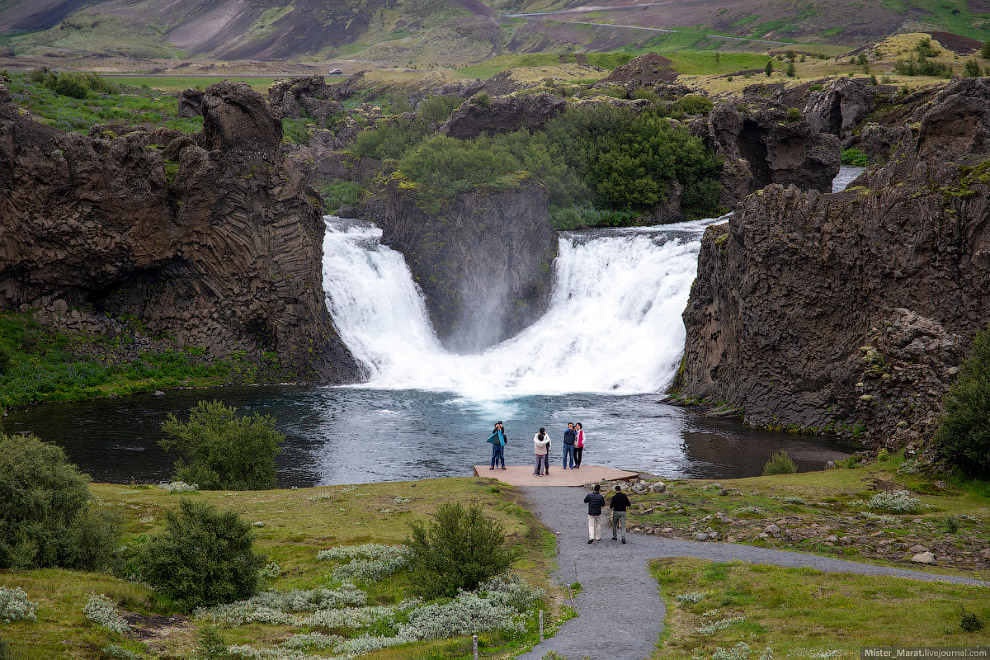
<point>216,248</point>
<point>828,311</point>
<point>483,262</point>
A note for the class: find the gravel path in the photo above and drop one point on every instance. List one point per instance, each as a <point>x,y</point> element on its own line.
<point>620,611</point>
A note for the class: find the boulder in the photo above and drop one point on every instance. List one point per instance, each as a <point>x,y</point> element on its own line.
<point>236,119</point>
<point>503,114</point>
<point>190,103</point>
<point>842,104</point>
<point>307,96</point>
<point>926,558</point>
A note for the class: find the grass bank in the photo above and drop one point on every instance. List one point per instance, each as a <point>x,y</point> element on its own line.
<point>741,611</point>
<point>291,526</point>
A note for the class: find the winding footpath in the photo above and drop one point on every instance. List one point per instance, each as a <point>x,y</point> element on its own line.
<point>620,611</point>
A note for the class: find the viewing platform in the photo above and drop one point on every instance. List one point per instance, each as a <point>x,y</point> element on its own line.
<point>522,475</point>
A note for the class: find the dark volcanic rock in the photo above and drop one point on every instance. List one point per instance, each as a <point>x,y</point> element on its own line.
<point>308,96</point>
<point>843,104</point>
<point>821,311</point>
<point>761,146</point>
<point>483,263</point>
<point>224,253</point>
<point>504,114</point>
<point>190,103</point>
<point>643,71</point>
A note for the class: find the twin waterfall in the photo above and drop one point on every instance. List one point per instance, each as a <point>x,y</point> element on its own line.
<point>613,325</point>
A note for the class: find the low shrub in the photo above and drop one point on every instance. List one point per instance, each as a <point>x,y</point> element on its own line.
<point>203,557</point>
<point>437,109</point>
<point>100,610</point>
<point>458,550</point>
<point>970,622</point>
<point>895,501</point>
<point>793,115</point>
<point>693,104</point>
<point>15,606</point>
<point>45,515</point>
<point>854,156</point>
<point>370,562</point>
<point>964,435</point>
<point>779,463</point>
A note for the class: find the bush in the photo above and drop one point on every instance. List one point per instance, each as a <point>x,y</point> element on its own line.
<point>970,622</point>
<point>227,451</point>
<point>895,501</point>
<point>779,463</point>
<point>436,109</point>
<point>972,69</point>
<point>446,166</point>
<point>854,156</point>
<point>964,435</point>
<point>390,139</point>
<point>45,519</point>
<point>482,100</point>
<point>100,610</point>
<point>5,360</point>
<point>459,549</point>
<point>203,557</point>
<point>15,606</point>
<point>793,115</point>
<point>296,131</point>
<point>338,192</point>
<point>693,104</point>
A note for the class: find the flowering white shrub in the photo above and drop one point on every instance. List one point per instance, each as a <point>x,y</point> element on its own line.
<point>750,510</point>
<point>320,497</point>
<point>909,467</point>
<point>366,551</point>
<point>883,520</point>
<point>257,523</point>
<point>510,589</point>
<point>740,652</point>
<point>116,651</point>
<point>692,597</point>
<point>793,500</point>
<point>367,644</point>
<point>349,617</point>
<point>715,626</point>
<point>271,571</point>
<point>398,499</point>
<point>246,652</point>
<point>312,642</point>
<point>146,520</point>
<point>179,487</point>
<point>369,562</point>
<point>269,616</point>
<point>271,604</point>
<point>100,610</point>
<point>895,501</point>
<point>15,606</point>
<point>465,615</point>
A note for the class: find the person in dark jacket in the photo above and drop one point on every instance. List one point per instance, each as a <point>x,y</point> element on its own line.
<point>595,503</point>
<point>619,504</point>
<point>498,440</point>
<point>569,436</point>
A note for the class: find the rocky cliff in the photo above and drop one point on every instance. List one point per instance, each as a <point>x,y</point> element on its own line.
<point>483,262</point>
<point>214,247</point>
<point>853,310</point>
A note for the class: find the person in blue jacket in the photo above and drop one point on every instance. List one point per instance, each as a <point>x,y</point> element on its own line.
<point>569,437</point>
<point>498,440</point>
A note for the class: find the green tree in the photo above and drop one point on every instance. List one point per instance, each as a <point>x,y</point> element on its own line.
<point>459,549</point>
<point>437,109</point>
<point>791,70</point>
<point>964,435</point>
<point>226,451</point>
<point>779,463</point>
<point>985,50</point>
<point>45,514</point>
<point>972,69</point>
<point>768,69</point>
<point>203,557</point>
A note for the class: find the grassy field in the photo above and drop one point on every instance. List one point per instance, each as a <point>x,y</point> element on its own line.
<point>291,526</point>
<point>749,609</point>
<point>170,83</point>
<point>816,505</point>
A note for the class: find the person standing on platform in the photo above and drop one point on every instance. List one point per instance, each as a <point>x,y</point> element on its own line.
<point>619,504</point>
<point>578,444</point>
<point>595,502</point>
<point>498,440</point>
<point>569,436</point>
<point>541,440</point>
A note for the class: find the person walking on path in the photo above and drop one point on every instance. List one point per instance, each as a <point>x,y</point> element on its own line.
<point>578,444</point>
<point>619,503</point>
<point>541,440</point>
<point>595,503</point>
<point>498,440</point>
<point>569,436</point>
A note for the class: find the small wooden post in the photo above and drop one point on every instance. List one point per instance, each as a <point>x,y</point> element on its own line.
<point>541,625</point>
<point>570,595</point>
<point>575,570</point>
<point>475,647</point>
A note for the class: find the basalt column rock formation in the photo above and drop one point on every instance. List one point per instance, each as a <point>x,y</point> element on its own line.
<point>483,262</point>
<point>831,311</point>
<point>216,249</point>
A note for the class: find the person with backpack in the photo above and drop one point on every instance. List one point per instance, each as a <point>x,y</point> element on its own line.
<point>541,440</point>
<point>498,440</point>
<point>619,504</point>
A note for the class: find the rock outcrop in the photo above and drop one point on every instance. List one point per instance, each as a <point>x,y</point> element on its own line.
<point>843,103</point>
<point>504,114</point>
<point>853,310</point>
<point>483,262</point>
<point>763,143</point>
<point>308,96</point>
<point>216,248</point>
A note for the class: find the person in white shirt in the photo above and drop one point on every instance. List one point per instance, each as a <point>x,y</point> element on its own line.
<point>540,441</point>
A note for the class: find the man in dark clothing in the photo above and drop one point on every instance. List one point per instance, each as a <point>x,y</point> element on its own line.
<point>619,504</point>
<point>595,503</point>
<point>498,438</point>
<point>569,436</point>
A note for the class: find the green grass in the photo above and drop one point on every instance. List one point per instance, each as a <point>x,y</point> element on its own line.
<point>702,62</point>
<point>297,524</point>
<point>130,106</point>
<point>800,612</point>
<point>179,83</point>
<point>57,366</point>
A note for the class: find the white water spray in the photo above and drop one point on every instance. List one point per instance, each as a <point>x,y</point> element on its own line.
<point>613,323</point>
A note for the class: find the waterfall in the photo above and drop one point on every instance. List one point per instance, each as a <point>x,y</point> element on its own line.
<point>613,324</point>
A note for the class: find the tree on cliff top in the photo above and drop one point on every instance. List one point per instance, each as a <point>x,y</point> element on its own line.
<point>227,451</point>
<point>964,437</point>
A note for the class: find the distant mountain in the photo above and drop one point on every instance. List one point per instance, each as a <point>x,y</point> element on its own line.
<point>447,32</point>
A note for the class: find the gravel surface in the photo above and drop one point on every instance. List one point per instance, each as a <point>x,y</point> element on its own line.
<point>620,611</point>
